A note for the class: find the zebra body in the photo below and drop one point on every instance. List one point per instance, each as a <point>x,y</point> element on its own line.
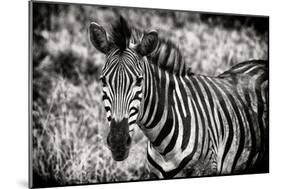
<point>221,120</point>
<point>195,124</point>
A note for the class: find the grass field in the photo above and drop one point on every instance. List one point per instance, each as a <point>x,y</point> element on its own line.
<point>69,123</point>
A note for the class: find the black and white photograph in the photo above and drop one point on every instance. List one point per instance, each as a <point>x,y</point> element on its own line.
<point>125,94</point>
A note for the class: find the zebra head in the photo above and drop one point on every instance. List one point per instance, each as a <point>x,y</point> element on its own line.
<point>122,79</point>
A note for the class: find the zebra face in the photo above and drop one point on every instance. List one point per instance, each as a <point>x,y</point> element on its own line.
<point>122,80</point>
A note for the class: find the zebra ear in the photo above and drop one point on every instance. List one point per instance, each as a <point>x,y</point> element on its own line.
<point>148,43</point>
<point>98,37</point>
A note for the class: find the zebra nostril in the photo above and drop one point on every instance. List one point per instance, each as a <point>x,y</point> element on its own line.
<point>108,141</point>
<point>109,118</point>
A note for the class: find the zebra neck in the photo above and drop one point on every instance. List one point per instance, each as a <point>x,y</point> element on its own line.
<point>168,111</point>
<point>157,112</point>
<point>168,57</point>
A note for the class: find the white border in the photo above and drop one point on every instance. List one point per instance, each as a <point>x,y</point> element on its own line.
<point>14,92</point>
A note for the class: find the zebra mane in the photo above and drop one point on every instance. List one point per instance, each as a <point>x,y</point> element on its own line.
<point>166,56</point>
<point>169,58</point>
<point>121,33</point>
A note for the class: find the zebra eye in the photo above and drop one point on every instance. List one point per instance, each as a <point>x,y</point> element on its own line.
<point>139,80</point>
<point>103,81</point>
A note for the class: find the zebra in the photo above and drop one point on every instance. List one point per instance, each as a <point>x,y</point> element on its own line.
<point>196,125</point>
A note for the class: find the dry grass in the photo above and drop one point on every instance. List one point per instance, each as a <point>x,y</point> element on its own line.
<point>68,145</point>
<point>69,124</point>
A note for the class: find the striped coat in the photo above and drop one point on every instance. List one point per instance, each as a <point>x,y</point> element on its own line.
<point>218,123</point>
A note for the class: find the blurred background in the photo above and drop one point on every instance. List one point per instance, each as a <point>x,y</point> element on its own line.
<point>69,123</point>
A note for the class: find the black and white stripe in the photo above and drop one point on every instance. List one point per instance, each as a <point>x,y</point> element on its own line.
<point>221,120</point>
<point>121,99</point>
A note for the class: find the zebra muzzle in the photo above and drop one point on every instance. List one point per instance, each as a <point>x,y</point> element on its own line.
<point>119,140</point>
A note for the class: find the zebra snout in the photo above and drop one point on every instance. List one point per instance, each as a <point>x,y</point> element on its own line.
<point>118,142</point>
<point>119,151</point>
<point>119,139</point>
<point>120,155</point>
